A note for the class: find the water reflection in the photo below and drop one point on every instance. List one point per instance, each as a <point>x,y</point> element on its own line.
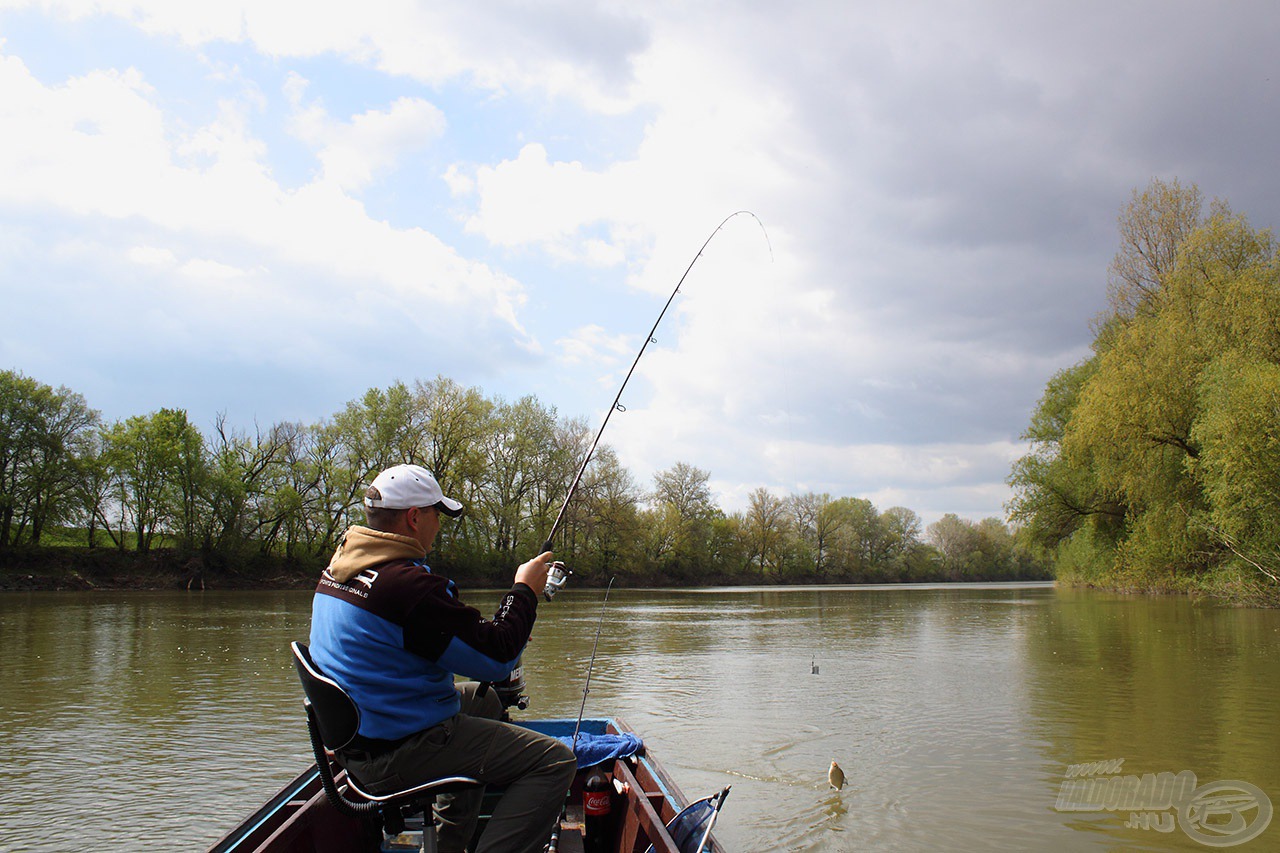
<point>160,719</point>
<point>1166,686</point>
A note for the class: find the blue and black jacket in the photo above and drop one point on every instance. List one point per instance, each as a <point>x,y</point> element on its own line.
<point>393,634</point>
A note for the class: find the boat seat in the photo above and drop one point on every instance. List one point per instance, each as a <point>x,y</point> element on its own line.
<point>333,719</point>
<point>691,829</point>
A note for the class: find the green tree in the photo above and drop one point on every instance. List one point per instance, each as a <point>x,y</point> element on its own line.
<point>381,429</point>
<point>246,477</point>
<point>1239,460</point>
<point>1053,496</point>
<point>455,423</point>
<point>985,550</point>
<point>765,526</point>
<point>679,523</point>
<point>514,492</point>
<point>901,546</point>
<point>606,532</point>
<point>310,497</point>
<point>93,485</point>
<point>728,558</point>
<point>1150,462</point>
<point>958,541</point>
<point>1152,228</point>
<point>43,432</point>
<point>1135,418</point>
<point>158,466</point>
<point>817,521</point>
<point>857,538</point>
<point>331,491</point>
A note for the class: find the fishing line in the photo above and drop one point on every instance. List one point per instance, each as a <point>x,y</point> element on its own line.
<point>586,688</point>
<point>789,468</point>
<point>649,339</point>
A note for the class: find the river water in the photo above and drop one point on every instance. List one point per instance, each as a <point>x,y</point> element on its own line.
<point>155,721</point>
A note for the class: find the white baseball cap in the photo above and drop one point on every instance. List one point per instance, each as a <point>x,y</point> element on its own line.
<point>405,486</point>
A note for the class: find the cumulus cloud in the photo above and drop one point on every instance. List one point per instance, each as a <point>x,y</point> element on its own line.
<point>99,148</point>
<point>530,200</point>
<point>98,145</point>
<point>570,48</point>
<point>352,152</point>
<point>939,193</point>
<point>594,345</point>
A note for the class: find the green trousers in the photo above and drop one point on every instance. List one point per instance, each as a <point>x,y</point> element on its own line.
<point>535,769</point>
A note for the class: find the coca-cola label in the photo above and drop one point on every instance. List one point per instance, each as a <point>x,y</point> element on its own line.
<point>595,802</point>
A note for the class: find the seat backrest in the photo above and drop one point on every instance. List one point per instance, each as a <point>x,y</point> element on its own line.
<point>690,829</point>
<point>336,714</point>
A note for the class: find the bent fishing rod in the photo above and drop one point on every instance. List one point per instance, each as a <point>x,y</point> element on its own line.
<point>617,406</point>
<point>509,689</point>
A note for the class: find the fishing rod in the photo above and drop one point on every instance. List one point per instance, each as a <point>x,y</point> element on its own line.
<point>617,406</point>
<point>509,689</point>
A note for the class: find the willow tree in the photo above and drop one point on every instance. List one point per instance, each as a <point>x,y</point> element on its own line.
<point>1161,440</point>
<point>1152,227</point>
<point>1137,418</point>
<point>1060,504</point>
<point>1239,459</point>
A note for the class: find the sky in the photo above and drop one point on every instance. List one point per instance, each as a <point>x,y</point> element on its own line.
<point>263,209</point>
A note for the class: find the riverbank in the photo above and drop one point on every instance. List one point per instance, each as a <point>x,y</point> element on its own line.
<point>66,568</point>
<point>76,567</point>
<point>1224,585</point>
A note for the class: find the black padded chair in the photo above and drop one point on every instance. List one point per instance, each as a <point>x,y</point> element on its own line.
<point>333,720</point>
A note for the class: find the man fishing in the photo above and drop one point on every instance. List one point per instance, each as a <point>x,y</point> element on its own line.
<point>393,634</point>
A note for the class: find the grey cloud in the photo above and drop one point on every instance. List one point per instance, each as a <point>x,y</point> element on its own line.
<point>981,162</point>
<point>601,39</point>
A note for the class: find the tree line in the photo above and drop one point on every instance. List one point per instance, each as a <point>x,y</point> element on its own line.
<point>237,498</point>
<point>1155,462</point>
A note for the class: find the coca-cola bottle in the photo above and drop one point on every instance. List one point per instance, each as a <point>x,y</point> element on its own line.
<point>596,805</point>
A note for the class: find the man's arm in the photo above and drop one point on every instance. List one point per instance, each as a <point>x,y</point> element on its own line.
<point>443,629</point>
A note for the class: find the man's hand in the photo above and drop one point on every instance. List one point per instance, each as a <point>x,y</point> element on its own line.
<point>533,574</point>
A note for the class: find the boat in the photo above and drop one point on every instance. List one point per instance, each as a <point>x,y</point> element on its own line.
<point>645,799</point>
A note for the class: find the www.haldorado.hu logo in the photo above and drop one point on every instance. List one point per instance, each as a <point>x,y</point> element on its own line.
<point>1220,814</point>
